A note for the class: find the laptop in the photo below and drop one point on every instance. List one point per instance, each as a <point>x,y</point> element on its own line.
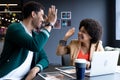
<point>103,63</point>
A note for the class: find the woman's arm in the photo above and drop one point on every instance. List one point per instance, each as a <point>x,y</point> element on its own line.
<point>100,46</point>
<point>62,48</point>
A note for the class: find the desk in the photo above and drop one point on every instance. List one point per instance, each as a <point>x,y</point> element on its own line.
<point>115,76</point>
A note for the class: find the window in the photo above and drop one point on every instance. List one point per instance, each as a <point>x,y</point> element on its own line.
<point>117,19</point>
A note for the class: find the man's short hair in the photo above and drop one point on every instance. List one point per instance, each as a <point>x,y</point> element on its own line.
<point>31,6</point>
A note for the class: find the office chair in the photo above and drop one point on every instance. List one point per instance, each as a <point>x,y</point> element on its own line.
<point>66,60</point>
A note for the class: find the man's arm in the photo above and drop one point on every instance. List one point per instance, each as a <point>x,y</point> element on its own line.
<point>41,63</point>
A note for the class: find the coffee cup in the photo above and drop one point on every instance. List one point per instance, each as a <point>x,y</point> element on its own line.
<point>80,65</point>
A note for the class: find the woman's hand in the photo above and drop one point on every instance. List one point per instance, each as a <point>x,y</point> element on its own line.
<point>88,65</point>
<point>32,73</point>
<point>69,33</point>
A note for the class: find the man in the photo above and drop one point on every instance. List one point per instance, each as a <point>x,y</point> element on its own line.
<point>23,55</point>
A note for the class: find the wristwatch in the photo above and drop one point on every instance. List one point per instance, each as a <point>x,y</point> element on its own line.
<point>48,24</point>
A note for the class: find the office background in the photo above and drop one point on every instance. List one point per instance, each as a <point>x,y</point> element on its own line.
<point>100,10</point>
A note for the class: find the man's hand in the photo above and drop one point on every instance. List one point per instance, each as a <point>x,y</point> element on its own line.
<point>52,15</point>
<point>32,73</point>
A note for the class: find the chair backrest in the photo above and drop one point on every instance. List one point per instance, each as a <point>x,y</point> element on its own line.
<point>66,60</point>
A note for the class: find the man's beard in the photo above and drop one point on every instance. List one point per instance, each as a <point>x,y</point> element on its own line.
<point>34,25</point>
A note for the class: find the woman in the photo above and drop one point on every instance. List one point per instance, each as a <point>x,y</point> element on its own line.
<point>88,41</point>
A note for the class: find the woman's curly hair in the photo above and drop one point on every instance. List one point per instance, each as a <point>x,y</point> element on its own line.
<point>93,28</point>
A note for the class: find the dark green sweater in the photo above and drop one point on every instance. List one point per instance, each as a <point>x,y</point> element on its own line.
<point>16,47</point>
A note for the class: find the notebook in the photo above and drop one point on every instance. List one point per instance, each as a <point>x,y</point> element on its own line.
<point>103,63</point>
<point>68,71</point>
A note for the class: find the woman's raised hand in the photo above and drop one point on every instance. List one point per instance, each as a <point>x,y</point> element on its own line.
<point>69,33</point>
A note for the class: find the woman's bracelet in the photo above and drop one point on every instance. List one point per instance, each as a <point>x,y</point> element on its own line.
<point>63,42</point>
